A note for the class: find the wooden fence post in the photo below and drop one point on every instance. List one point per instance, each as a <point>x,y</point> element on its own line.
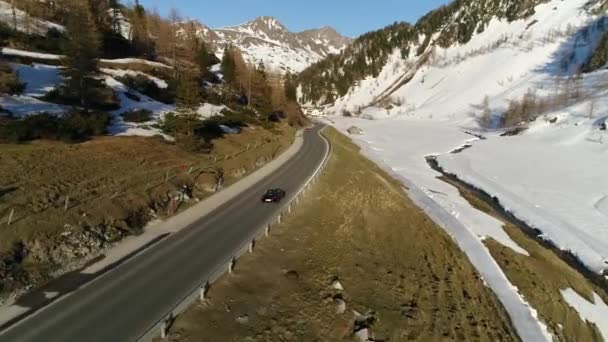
<point>10,216</point>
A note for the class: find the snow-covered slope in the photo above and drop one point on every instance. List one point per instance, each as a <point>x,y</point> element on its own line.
<point>553,176</point>
<point>24,22</point>
<point>39,79</point>
<point>266,40</point>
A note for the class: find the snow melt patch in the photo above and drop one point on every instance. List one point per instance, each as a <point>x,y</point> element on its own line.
<point>207,110</point>
<point>36,55</point>
<point>122,128</point>
<point>39,79</point>
<point>596,312</point>
<point>162,84</point>
<point>21,106</point>
<point>135,61</point>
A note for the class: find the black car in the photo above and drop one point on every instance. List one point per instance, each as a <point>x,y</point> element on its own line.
<point>273,196</point>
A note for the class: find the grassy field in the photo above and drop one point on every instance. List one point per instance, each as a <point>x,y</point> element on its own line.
<point>357,227</point>
<point>116,181</point>
<point>540,277</point>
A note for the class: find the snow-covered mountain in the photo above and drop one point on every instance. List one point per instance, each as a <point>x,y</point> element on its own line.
<point>266,40</point>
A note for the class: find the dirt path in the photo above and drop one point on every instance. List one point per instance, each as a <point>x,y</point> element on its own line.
<point>357,228</point>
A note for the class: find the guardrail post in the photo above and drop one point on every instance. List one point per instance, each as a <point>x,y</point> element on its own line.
<point>251,246</point>
<point>163,329</point>
<point>231,266</point>
<point>279,218</point>
<point>267,232</point>
<point>204,290</point>
<point>289,208</point>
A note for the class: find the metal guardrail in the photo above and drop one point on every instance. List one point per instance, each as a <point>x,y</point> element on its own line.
<point>161,326</point>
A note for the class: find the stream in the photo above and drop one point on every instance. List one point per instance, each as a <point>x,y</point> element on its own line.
<point>508,217</point>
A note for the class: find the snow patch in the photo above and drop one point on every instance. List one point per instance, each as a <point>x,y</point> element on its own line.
<point>162,84</point>
<point>596,312</point>
<point>36,55</point>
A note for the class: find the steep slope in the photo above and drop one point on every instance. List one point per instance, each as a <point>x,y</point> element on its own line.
<point>454,24</point>
<point>266,40</point>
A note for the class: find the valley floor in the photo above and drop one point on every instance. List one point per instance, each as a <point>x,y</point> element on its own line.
<point>514,266</point>
<point>355,247</point>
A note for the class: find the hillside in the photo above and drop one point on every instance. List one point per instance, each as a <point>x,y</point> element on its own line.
<point>449,25</point>
<point>508,97</point>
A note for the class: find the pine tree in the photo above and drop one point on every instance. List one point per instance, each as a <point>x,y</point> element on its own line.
<point>242,71</point>
<point>204,58</point>
<point>81,53</point>
<point>188,122</point>
<point>261,90</point>
<point>228,67</point>
<point>188,93</point>
<point>290,85</point>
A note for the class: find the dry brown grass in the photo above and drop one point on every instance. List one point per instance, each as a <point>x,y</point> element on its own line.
<point>540,277</point>
<point>37,177</point>
<point>359,226</point>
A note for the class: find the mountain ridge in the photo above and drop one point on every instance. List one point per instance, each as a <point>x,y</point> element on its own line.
<point>265,39</point>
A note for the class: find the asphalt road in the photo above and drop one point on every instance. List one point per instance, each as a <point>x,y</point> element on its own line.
<point>125,302</point>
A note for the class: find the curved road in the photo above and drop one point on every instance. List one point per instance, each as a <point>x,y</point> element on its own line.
<point>124,303</point>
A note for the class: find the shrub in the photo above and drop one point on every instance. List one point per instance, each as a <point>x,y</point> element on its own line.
<point>149,88</point>
<point>193,144</point>
<point>101,98</point>
<point>9,80</point>
<point>137,115</point>
<point>168,124</point>
<point>74,126</point>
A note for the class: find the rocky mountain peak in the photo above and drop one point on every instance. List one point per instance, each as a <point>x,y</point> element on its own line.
<point>265,39</point>
<point>266,23</point>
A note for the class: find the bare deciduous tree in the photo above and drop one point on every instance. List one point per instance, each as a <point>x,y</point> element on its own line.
<point>485,118</point>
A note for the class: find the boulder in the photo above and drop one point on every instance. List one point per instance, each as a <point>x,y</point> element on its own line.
<point>260,161</point>
<point>354,130</point>
<point>243,319</point>
<point>238,173</point>
<point>340,306</point>
<point>208,187</point>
